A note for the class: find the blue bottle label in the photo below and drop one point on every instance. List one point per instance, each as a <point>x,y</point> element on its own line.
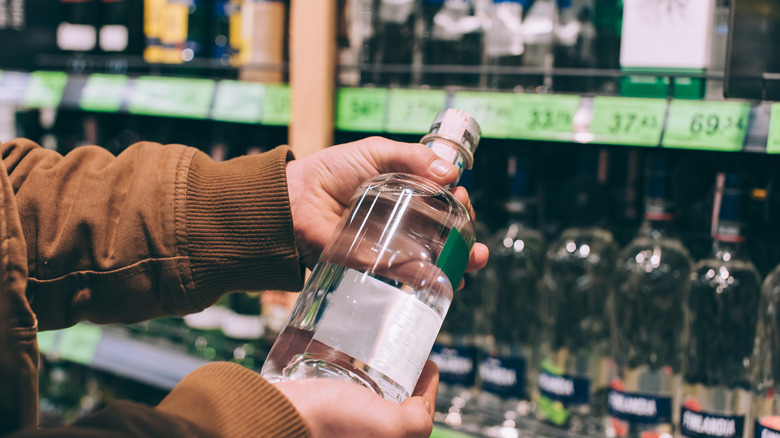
<point>457,364</point>
<point>569,390</point>
<point>639,408</point>
<point>503,375</point>
<point>762,431</point>
<point>705,424</point>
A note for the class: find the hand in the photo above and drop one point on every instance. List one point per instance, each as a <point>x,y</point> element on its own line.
<point>321,185</point>
<point>334,408</point>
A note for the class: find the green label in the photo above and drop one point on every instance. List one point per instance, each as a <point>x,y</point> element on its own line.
<point>45,89</point>
<point>47,341</point>
<point>441,432</point>
<point>413,111</point>
<point>277,107</point>
<point>553,410</point>
<point>544,117</point>
<point>454,258</point>
<point>236,101</point>
<point>493,111</point>
<point>625,121</point>
<point>79,343</point>
<point>103,93</point>
<point>773,139</point>
<point>177,97</point>
<point>361,109</point>
<point>715,126</point>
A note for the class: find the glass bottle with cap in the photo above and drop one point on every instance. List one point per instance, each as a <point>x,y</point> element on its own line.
<point>374,303</point>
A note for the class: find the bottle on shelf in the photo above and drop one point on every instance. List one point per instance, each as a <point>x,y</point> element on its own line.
<point>651,281</point>
<point>77,32</point>
<point>393,41</point>
<point>454,39</point>
<point>573,375</point>
<point>538,30</point>
<point>243,327</point>
<point>765,410</point>
<point>504,41</point>
<point>373,305</point>
<point>721,316</point>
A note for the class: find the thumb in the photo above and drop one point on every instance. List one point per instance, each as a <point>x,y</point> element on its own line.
<point>392,156</point>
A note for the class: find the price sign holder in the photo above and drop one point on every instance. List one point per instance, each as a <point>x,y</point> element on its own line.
<point>706,125</point>
<point>544,117</point>
<point>177,97</point>
<point>79,343</point>
<point>412,111</point>
<point>361,109</point>
<point>237,101</point>
<point>627,121</point>
<point>276,107</point>
<point>773,139</point>
<point>103,92</point>
<point>493,111</point>
<point>45,89</point>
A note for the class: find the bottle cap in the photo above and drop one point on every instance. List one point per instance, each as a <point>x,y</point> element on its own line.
<point>459,128</point>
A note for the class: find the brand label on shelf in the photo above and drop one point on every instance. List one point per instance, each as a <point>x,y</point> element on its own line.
<point>503,375</point>
<point>411,111</point>
<point>706,425</point>
<point>626,121</point>
<point>457,363</point>
<point>494,111</point>
<point>707,125</point>
<point>763,431</point>
<point>544,116</point>
<point>639,408</point>
<point>361,109</point>
<point>566,389</point>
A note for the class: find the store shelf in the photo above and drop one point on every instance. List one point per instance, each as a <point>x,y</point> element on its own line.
<point>109,349</point>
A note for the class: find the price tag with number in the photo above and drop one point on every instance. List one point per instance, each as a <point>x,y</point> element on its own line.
<point>45,89</point>
<point>79,343</point>
<point>276,108</point>
<point>773,139</point>
<point>413,111</point>
<point>544,117</point>
<point>103,93</point>
<point>361,109</point>
<point>626,121</point>
<point>236,101</point>
<point>716,126</point>
<point>178,97</point>
<point>493,111</point>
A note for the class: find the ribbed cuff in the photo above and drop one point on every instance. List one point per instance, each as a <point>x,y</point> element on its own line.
<point>232,401</point>
<point>238,229</point>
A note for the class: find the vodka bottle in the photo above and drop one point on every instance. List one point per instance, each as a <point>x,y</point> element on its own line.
<point>573,378</point>
<point>651,281</point>
<point>722,310</point>
<point>373,305</point>
<point>765,410</point>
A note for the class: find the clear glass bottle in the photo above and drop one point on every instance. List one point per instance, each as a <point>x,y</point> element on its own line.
<point>373,305</point>
<point>651,281</point>
<point>765,410</point>
<point>721,317</point>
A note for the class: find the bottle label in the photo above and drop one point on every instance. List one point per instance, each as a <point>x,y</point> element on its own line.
<point>560,392</point>
<point>456,363</point>
<point>762,430</point>
<point>705,424</point>
<point>639,408</point>
<point>390,330</point>
<point>503,375</point>
<point>454,258</point>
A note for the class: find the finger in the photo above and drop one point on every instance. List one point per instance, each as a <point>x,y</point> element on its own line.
<point>462,195</point>
<point>478,257</point>
<point>392,156</point>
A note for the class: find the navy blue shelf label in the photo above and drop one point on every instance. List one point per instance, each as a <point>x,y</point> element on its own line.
<point>640,408</point>
<point>569,390</point>
<point>503,375</point>
<point>761,431</point>
<point>457,364</point>
<point>695,424</point>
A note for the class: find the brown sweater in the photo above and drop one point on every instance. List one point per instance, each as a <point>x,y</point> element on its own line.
<point>157,230</point>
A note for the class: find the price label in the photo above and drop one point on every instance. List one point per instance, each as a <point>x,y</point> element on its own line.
<point>47,341</point>
<point>45,89</point>
<point>773,139</point>
<point>413,111</point>
<point>544,117</point>
<point>103,93</point>
<point>236,101</point>
<point>276,107</point>
<point>716,126</point>
<point>493,111</point>
<point>79,343</point>
<point>624,121</point>
<point>178,97</point>
<point>361,109</point>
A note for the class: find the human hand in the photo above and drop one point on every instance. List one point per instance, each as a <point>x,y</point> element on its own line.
<point>321,185</point>
<point>335,408</point>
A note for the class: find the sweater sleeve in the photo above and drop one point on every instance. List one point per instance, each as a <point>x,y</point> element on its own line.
<point>156,230</point>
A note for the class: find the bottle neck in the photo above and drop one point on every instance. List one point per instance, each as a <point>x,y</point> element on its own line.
<point>728,241</point>
<point>450,152</point>
<point>520,211</point>
<point>658,220</point>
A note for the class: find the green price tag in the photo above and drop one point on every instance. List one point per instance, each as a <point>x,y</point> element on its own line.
<point>361,109</point>
<point>45,89</point>
<point>715,126</point>
<point>773,140</point>
<point>493,111</point>
<point>277,108</point>
<point>413,111</point>
<point>103,93</point>
<point>79,343</point>
<point>47,341</point>
<point>176,97</point>
<point>441,432</point>
<point>544,117</point>
<point>237,101</point>
<point>626,121</point>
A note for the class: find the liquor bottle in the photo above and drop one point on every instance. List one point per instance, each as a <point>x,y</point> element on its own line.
<point>765,410</point>
<point>114,35</point>
<point>243,326</point>
<point>722,312</point>
<point>651,282</point>
<point>394,41</point>
<point>455,40</point>
<point>263,37</point>
<point>538,30</point>
<point>573,378</point>
<point>78,29</point>
<point>373,305</point>
<point>504,45</point>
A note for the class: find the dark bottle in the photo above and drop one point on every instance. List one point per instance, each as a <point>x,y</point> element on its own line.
<point>504,45</point>
<point>77,32</point>
<point>394,41</point>
<point>765,411</point>
<point>722,311</point>
<point>454,43</point>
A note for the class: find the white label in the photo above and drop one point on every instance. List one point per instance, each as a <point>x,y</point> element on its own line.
<point>384,327</point>
<point>239,326</point>
<point>113,38</point>
<point>79,37</point>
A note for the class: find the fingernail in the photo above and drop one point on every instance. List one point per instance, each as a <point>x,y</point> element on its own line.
<point>441,167</point>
